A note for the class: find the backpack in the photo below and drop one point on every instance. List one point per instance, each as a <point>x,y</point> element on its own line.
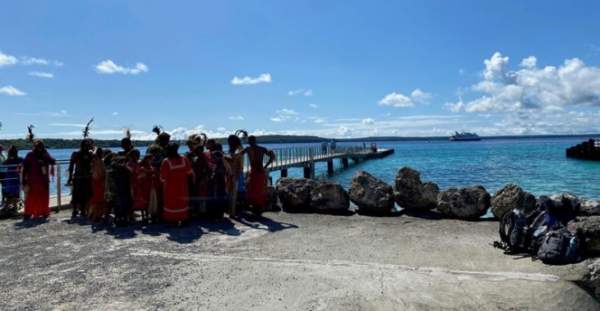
<point>559,247</point>
<point>516,232</point>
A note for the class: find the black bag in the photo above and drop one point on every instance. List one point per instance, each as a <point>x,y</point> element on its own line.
<point>515,231</point>
<point>559,247</point>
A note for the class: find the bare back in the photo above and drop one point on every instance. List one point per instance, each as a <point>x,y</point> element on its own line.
<point>256,156</point>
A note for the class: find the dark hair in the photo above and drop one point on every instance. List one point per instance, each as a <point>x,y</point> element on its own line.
<point>252,140</point>
<point>126,142</point>
<point>218,147</point>
<point>164,138</point>
<point>172,150</point>
<point>86,142</point>
<point>234,143</point>
<point>211,144</point>
<point>99,153</point>
<point>13,152</point>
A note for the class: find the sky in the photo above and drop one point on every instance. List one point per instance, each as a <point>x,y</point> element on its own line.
<point>327,68</point>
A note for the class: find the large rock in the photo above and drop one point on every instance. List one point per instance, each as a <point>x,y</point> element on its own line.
<point>588,228</point>
<point>295,193</point>
<point>566,201</point>
<point>510,197</point>
<point>590,208</point>
<point>592,278</point>
<point>329,197</point>
<point>464,203</point>
<point>412,194</point>
<point>371,195</point>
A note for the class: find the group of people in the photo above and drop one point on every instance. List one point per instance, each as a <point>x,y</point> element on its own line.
<point>162,184</point>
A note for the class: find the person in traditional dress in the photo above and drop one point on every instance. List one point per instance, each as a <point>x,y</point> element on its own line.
<point>97,204</point>
<point>200,166</point>
<point>159,148</point>
<point>235,163</point>
<point>217,187</point>
<point>143,185</point>
<point>121,177</point>
<point>257,180</point>
<point>126,143</point>
<point>133,163</point>
<point>37,168</point>
<point>80,174</point>
<point>11,181</point>
<point>174,173</point>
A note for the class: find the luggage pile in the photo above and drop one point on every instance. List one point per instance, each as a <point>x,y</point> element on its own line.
<point>543,233</point>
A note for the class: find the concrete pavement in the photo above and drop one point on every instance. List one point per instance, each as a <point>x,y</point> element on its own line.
<point>277,262</point>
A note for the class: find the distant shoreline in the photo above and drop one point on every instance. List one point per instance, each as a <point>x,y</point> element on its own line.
<point>59,143</point>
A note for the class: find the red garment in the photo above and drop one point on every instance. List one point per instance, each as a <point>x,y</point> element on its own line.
<point>257,188</point>
<point>174,175</point>
<point>36,171</point>
<point>143,182</point>
<point>97,204</point>
<point>98,182</point>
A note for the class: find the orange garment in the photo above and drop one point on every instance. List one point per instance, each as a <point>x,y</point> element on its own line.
<point>143,183</point>
<point>97,203</point>
<point>174,174</point>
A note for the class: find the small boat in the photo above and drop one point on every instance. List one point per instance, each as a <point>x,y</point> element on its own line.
<point>464,136</point>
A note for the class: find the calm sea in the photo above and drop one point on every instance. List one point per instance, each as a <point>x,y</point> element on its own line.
<point>538,165</point>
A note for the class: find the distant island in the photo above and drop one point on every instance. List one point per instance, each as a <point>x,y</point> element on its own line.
<point>60,143</point>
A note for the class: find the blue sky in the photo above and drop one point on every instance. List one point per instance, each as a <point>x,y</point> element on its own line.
<point>329,68</point>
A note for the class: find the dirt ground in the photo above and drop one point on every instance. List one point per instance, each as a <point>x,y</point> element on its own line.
<point>276,262</point>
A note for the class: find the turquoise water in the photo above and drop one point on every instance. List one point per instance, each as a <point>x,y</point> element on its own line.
<point>538,165</point>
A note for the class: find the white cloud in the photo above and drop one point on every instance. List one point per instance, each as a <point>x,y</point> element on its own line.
<point>317,120</point>
<point>572,84</point>
<point>399,100</point>
<point>284,114</point>
<point>368,121</point>
<point>303,92</point>
<point>262,78</point>
<point>109,67</point>
<point>529,62</point>
<point>7,60</point>
<point>396,100</point>
<point>11,91</point>
<point>314,106</point>
<point>420,97</point>
<point>80,125</point>
<point>455,107</point>
<point>40,74</point>
<point>34,61</point>
<point>236,118</point>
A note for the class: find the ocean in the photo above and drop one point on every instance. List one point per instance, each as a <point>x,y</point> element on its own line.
<point>539,165</point>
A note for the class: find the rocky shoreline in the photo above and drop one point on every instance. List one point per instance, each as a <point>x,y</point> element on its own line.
<point>412,196</point>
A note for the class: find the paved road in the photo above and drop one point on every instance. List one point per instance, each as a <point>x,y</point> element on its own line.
<point>277,262</point>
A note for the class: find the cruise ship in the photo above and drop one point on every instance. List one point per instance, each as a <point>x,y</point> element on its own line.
<point>464,136</point>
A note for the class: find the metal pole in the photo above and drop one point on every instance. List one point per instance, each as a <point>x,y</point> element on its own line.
<point>58,187</point>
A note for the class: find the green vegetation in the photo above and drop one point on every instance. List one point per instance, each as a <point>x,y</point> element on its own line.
<point>57,143</point>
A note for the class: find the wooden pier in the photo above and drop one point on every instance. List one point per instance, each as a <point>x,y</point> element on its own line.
<point>306,158</point>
